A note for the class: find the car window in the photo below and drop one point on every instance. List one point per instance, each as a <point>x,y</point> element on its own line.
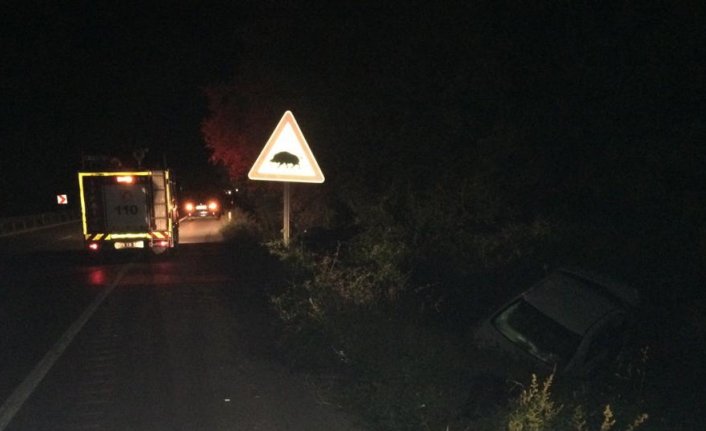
<point>537,333</point>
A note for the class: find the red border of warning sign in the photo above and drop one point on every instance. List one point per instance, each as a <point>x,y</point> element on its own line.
<point>255,172</point>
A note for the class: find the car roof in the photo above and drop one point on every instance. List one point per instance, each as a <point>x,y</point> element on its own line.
<point>627,295</point>
<point>574,302</point>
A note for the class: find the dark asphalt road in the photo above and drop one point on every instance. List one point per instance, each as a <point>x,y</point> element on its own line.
<point>174,345</point>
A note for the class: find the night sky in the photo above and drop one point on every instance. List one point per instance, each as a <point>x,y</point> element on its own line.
<point>104,78</point>
<point>107,77</point>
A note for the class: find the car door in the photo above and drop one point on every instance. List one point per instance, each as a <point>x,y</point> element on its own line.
<point>602,344</point>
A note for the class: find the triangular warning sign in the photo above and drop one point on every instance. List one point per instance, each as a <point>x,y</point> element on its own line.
<point>286,156</point>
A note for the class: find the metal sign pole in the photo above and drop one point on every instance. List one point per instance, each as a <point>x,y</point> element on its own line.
<point>285,212</point>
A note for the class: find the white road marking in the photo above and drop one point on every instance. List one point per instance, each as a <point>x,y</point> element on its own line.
<point>22,392</point>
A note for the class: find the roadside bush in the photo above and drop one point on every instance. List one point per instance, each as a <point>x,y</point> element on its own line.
<point>265,205</point>
<point>536,410</point>
<point>338,321</point>
<point>405,377</point>
<point>241,223</point>
<point>341,323</point>
<point>449,252</point>
<point>326,296</point>
<point>360,315</point>
<point>462,274</point>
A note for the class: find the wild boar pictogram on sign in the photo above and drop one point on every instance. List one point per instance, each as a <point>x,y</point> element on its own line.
<point>285,158</point>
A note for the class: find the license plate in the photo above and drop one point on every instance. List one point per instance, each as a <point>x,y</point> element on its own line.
<point>134,244</point>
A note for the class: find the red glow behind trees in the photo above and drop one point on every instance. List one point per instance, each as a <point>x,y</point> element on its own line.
<point>231,129</point>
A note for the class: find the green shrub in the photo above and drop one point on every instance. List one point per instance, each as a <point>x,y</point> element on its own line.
<point>347,313</point>
<point>241,226</point>
<point>336,318</point>
<point>536,410</point>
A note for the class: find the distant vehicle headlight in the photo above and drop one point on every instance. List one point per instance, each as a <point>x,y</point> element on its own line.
<point>213,206</point>
<point>189,206</point>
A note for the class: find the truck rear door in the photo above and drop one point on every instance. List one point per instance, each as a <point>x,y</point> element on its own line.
<point>126,204</point>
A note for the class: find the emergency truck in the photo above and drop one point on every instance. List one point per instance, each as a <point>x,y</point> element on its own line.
<point>129,210</point>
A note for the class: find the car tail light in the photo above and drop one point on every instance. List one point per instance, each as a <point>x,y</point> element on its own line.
<point>93,246</point>
<point>162,243</point>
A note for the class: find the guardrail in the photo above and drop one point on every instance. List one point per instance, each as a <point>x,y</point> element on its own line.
<point>18,224</point>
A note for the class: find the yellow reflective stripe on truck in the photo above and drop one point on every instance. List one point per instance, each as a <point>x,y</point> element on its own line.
<point>84,222</point>
<point>114,236</point>
<point>170,208</point>
<point>128,235</point>
<point>115,174</point>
